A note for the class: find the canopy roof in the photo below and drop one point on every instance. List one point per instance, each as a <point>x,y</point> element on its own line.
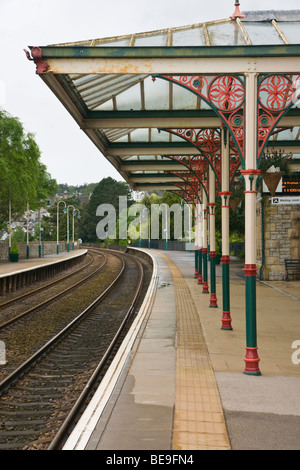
<point>107,86</point>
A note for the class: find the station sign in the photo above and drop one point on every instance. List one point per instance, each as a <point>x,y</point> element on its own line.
<point>277,200</point>
<point>288,185</point>
<point>291,184</point>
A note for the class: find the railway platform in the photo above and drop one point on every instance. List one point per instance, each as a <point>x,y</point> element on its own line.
<point>27,271</point>
<point>177,382</point>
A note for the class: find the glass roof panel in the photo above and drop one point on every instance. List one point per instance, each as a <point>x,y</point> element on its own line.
<point>183,99</point>
<point>115,134</point>
<point>107,106</point>
<point>151,40</point>
<point>117,43</point>
<point>140,135</point>
<point>287,134</point>
<point>130,98</point>
<point>291,31</point>
<point>188,37</point>
<point>225,34</point>
<point>157,136</point>
<point>156,94</point>
<point>262,33</point>
<point>101,89</point>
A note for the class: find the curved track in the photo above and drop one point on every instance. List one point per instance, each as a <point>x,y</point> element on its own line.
<point>40,400</point>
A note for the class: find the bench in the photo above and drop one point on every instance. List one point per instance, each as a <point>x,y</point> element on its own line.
<point>292,266</point>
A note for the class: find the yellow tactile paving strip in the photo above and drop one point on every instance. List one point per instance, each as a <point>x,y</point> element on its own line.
<point>199,422</point>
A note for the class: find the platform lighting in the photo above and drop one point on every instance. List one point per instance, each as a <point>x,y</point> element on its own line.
<point>68,231</point>
<point>57,222</point>
<point>74,213</point>
<point>141,215</point>
<point>190,228</point>
<point>166,229</point>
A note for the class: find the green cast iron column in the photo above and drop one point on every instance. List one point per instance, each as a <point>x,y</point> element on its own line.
<point>196,263</point>
<point>213,298</point>
<point>226,318</point>
<point>205,283</point>
<point>200,278</point>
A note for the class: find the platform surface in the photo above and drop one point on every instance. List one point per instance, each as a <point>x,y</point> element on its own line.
<point>182,385</point>
<point>9,268</point>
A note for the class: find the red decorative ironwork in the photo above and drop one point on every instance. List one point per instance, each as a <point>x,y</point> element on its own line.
<point>198,165</point>
<point>208,142</point>
<point>190,185</point>
<point>276,94</point>
<point>224,93</point>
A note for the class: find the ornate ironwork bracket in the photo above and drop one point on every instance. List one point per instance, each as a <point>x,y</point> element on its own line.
<point>226,95</point>
<point>208,142</point>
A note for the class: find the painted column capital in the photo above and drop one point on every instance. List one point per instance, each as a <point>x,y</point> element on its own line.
<point>250,269</point>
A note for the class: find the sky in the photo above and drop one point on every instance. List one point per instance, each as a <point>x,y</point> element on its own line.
<point>69,155</point>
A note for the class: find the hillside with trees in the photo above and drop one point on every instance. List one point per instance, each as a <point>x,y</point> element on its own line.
<point>24,179</point>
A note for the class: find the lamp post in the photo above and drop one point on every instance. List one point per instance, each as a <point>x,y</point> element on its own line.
<point>68,231</point>
<point>141,215</point>
<point>27,231</point>
<point>41,246</point>
<point>57,222</point>
<point>190,222</point>
<point>74,212</point>
<point>166,225</point>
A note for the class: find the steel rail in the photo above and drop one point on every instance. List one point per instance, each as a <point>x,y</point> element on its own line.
<point>52,299</point>
<point>9,380</point>
<point>56,442</point>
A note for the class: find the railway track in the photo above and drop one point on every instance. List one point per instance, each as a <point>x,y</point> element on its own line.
<point>40,400</point>
<point>8,308</point>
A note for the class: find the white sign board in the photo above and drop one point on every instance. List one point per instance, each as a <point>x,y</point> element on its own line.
<point>285,200</point>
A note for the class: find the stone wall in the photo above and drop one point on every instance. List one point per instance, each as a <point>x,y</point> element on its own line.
<point>49,248</point>
<point>281,231</point>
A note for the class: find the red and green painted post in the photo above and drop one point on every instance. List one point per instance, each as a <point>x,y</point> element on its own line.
<point>213,303</point>
<point>225,196</point>
<point>204,249</point>
<point>250,174</point>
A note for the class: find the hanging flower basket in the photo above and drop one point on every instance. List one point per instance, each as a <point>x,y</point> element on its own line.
<point>234,203</point>
<point>272,180</point>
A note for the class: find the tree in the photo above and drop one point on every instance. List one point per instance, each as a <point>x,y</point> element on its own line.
<point>107,191</point>
<point>24,178</point>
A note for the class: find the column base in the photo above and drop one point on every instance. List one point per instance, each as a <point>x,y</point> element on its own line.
<point>226,321</point>
<point>205,288</point>
<point>213,301</point>
<point>200,279</point>
<point>251,360</point>
<point>196,274</point>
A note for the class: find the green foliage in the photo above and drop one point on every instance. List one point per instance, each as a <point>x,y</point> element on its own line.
<point>18,235</point>
<point>278,160</point>
<point>107,191</point>
<point>14,248</point>
<point>24,178</point>
<point>218,242</point>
